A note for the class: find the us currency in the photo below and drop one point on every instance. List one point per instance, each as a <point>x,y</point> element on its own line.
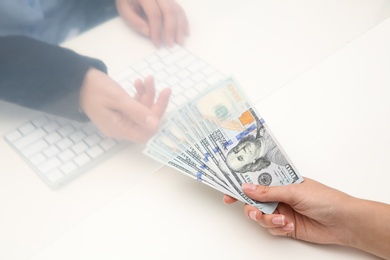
<point>201,139</point>
<point>219,139</point>
<point>171,141</point>
<point>233,180</point>
<point>177,132</point>
<point>247,150</point>
<point>177,165</point>
<point>199,144</point>
<point>171,150</point>
<point>197,138</point>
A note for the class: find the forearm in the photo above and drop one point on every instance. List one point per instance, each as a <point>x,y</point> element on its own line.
<point>369,227</point>
<point>41,76</point>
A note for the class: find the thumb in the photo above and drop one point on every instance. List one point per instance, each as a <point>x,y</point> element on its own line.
<point>136,112</point>
<point>286,194</point>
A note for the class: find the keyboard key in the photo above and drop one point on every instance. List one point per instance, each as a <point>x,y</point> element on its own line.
<point>82,159</point>
<point>79,147</point>
<point>146,72</point>
<point>66,155</point>
<point>153,59</point>
<point>107,144</point>
<point>51,127</point>
<point>37,159</point>
<point>38,122</point>
<point>53,138</point>
<point>157,66</point>
<point>187,83</point>
<point>36,147</point>
<point>197,77</point>
<point>54,176</point>
<point>171,70</point>
<point>64,143</point>
<point>68,167</point>
<point>62,121</point>
<point>172,80</point>
<point>174,57</point>
<point>27,128</point>
<point>208,71</point>
<point>77,136</point>
<point>49,165</point>
<point>95,151</point>
<point>196,66</point>
<point>14,135</point>
<point>66,130</point>
<point>186,61</point>
<point>191,93</point>
<point>51,151</point>
<point>29,139</point>
<point>183,74</point>
<point>92,139</point>
<point>162,53</point>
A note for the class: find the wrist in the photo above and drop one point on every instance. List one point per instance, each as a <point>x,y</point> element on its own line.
<point>368,228</point>
<point>354,218</point>
<point>85,90</point>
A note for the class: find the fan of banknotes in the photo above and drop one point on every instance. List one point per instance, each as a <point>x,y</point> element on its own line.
<point>218,138</point>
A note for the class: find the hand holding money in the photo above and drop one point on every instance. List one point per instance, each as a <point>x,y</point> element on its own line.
<point>219,139</point>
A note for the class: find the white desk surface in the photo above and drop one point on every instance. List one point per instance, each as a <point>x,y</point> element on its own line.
<point>332,119</point>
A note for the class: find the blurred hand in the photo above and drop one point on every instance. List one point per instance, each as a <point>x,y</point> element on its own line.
<point>307,211</point>
<point>161,20</point>
<point>116,113</point>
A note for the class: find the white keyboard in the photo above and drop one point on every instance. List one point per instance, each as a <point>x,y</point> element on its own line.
<point>176,68</point>
<point>60,149</point>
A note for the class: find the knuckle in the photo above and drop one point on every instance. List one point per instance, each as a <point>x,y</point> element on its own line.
<point>262,191</point>
<point>155,15</point>
<point>170,11</point>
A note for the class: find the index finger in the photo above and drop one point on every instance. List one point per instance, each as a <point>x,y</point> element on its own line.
<point>154,16</point>
<point>228,199</point>
<point>269,193</point>
<point>175,22</point>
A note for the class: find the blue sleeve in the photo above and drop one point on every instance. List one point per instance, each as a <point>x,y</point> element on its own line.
<point>42,76</point>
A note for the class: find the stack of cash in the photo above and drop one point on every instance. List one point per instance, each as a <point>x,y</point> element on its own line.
<point>219,139</point>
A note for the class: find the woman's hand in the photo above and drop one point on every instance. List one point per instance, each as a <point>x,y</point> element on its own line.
<point>307,211</point>
<point>161,20</point>
<point>316,213</point>
<point>116,113</point>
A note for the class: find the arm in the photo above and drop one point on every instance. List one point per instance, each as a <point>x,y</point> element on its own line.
<point>161,20</point>
<point>316,213</point>
<point>42,76</point>
<point>59,81</point>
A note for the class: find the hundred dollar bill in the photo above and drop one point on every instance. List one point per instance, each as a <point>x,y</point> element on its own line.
<point>179,166</point>
<point>233,180</point>
<point>201,138</point>
<point>244,144</point>
<point>168,148</point>
<point>180,135</point>
<point>173,144</point>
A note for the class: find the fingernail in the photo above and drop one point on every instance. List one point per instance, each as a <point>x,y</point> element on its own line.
<point>151,122</point>
<point>278,220</point>
<point>248,186</point>
<point>252,215</point>
<point>289,227</point>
